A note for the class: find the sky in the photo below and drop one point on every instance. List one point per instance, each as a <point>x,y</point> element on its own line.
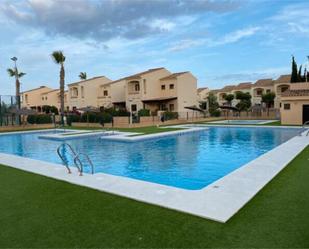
<point>221,42</point>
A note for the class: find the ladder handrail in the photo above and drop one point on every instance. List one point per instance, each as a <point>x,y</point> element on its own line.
<point>304,128</point>
<point>77,159</point>
<point>63,160</point>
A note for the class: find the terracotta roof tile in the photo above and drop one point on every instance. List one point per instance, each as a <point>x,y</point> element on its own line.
<point>172,76</point>
<point>283,79</point>
<point>137,75</point>
<point>87,80</point>
<point>244,85</point>
<point>264,82</point>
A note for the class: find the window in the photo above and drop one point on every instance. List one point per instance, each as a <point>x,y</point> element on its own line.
<point>46,98</point>
<point>259,92</point>
<point>286,106</point>
<point>42,98</point>
<point>136,87</point>
<point>284,88</point>
<point>105,93</point>
<point>144,83</point>
<point>172,107</point>
<point>162,87</point>
<point>133,108</point>
<point>26,98</point>
<point>82,91</point>
<point>172,86</point>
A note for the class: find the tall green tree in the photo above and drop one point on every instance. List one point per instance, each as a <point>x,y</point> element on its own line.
<point>213,105</point>
<point>294,74</point>
<point>244,101</point>
<point>229,98</point>
<point>59,59</point>
<point>268,99</point>
<point>82,75</point>
<point>13,72</point>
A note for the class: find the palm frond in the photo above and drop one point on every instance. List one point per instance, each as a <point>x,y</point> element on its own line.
<point>11,72</point>
<point>21,74</point>
<point>83,75</point>
<point>58,57</point>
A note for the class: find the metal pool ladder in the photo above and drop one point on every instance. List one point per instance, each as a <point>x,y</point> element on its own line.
<point>78,163</point>
<point>304,128</point>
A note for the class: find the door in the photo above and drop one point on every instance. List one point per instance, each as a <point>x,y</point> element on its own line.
<point>305,113</point>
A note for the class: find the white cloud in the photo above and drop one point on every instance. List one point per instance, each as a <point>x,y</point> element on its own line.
<point>232,37</point>
<point>237,35</point>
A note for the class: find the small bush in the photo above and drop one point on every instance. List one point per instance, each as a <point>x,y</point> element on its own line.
<point>73,118</point>
<point>170,115</point>
<point>144,113</point>
<point>215,113</point>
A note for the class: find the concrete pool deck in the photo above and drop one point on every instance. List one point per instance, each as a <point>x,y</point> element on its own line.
<point>218,201</point>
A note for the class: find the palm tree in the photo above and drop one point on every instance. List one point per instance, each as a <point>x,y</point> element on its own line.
<point>83,75</point>
<point>59,59</point>
<point>13,72</point>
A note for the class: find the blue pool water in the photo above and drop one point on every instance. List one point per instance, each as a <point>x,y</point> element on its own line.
<point>189,161</point>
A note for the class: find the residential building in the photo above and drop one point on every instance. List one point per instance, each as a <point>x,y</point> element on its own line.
<point>202,94</point>
<point>295,104</point>
<point>88,93</point>
<point>43,96</point>
<point>33,99</point>
<point>257,89</point>
<point>156,89</point>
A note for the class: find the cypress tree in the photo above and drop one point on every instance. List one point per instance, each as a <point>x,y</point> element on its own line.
<point>300,77</point>
<point>294,75</point>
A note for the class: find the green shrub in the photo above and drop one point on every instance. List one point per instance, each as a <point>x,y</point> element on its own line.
<point>73,118</point>
<point>215,113</point>
<point>39,119</point>
<point>144,113</point>
<point>170,115</point>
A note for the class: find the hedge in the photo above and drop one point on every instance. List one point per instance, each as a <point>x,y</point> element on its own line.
<point>39,119</point>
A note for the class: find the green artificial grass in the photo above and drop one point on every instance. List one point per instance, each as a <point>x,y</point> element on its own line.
<point>40,212</point>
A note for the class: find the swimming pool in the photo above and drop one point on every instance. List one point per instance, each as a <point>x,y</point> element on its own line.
<point>189,161</point>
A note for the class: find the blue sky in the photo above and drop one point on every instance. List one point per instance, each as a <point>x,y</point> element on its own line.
<point>220,42</point>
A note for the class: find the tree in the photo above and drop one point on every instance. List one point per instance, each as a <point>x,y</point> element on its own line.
<point>82,75</point>
<point>294,75</point>
<point>244,101</point>
<point>268,99</point>
<point>59,59</point>
<point>229,98</point>
<point>213,105</point>
<point>14,73</point>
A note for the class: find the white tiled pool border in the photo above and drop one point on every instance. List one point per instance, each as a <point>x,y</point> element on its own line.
<point>261,122</point>
<point>218,201</point>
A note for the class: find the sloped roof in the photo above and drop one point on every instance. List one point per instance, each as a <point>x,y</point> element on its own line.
<point>138,75</point>
<point>295,93</point>
<point>227,88</point>
<point>264,82</point>
<point>174,75</point>
<point>201,89</point>
<point>244,85</point>
<point>50,91</point>
<point>35,89</point>
<point>286,78</point>
<point>87,80</point>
